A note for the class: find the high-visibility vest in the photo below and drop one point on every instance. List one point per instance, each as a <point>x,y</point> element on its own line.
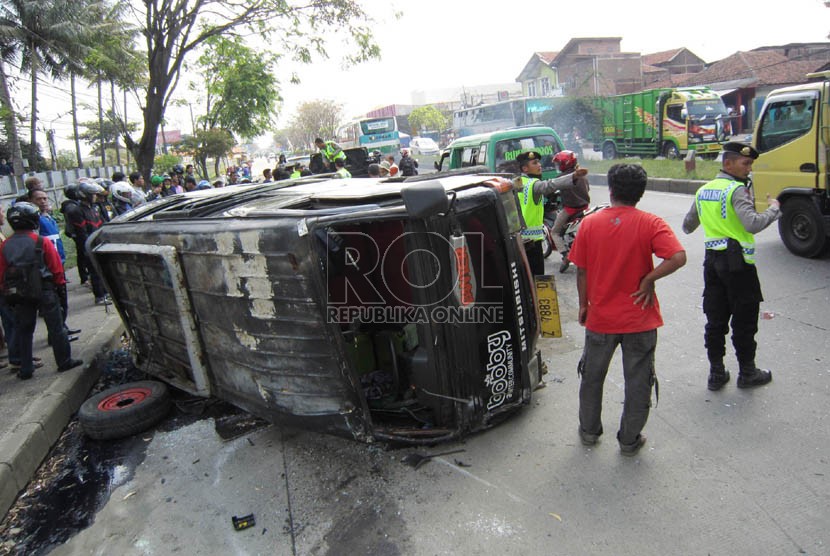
<point>328,152</point>
<point>533,211</point>
<point>295,174</point>
<point>719,220</point>
<point>343,173</point>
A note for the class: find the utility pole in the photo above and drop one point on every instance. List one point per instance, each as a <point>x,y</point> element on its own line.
<point>50,137</point>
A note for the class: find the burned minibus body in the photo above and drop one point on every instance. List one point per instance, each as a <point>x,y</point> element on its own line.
<point>398,311</point>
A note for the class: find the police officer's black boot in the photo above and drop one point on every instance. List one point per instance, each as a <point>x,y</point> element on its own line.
<point>750,376</point>
<point>718,376</point>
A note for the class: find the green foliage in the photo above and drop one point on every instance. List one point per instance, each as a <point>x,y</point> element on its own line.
<point>568,113</point>
<point>427,118</point>
<point>240,87</point>
<point>675,169</point>
<point>163,162</point>
<point>208,143</point>
<point>173,30</point>
<point>66,160</point>
<point>112,129</point>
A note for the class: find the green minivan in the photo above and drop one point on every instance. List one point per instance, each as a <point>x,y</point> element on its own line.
<point>498,150</point>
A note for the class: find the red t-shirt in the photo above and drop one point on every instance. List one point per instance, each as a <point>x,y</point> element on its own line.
<point>50,258</point>
<point>615,247</point>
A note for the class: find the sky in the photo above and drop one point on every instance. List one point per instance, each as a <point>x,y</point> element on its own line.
<point>436,44</point>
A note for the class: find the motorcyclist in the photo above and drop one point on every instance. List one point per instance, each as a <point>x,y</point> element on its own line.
<point>532,192</point>
<point>575,198</point>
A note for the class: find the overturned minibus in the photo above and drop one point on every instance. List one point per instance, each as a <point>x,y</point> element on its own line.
<point>388,310</point>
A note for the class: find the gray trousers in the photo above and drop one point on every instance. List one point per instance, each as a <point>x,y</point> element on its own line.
<point>638,371</point>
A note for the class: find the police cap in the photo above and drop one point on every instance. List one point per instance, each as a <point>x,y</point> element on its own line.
<point>527,156</point>
<point>740,148</point>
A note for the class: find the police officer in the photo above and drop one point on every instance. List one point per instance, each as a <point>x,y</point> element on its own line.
<point>21,249</point>
<point>532,192</point>
<point>331,152</point>
<point>725,207</point>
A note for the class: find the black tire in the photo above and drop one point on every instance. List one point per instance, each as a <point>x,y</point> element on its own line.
<point>802,227</point>
<point>124,410</point>
<point>670,151</point>
<point>609,151</point>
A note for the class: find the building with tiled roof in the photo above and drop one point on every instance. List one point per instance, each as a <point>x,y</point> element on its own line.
<point>538,78</point>
<point>595,66</point>
<point>659,66</point>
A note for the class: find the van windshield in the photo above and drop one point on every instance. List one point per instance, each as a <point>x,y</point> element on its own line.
<point>508,149</point>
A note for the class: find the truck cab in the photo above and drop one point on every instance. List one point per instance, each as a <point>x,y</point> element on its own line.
<point>792,136</point>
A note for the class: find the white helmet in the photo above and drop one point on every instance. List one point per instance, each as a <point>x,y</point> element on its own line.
<point>123,191</point>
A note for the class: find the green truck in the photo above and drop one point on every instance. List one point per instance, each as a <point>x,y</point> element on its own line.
<point>663,122</point>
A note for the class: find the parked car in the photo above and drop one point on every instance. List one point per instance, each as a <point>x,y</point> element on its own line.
<point>396,310</point>
<point>424,145</point>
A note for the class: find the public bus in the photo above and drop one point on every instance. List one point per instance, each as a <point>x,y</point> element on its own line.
<point>376,134</point>
<point>499,115</point>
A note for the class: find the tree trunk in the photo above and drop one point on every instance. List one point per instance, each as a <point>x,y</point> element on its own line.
<point>126,149</point>
<point>33,145</point>
<point>117,148</point>
<point>101,141</point>
<point>145,150</point>
<point>75,121</point>
<point>10,122</point>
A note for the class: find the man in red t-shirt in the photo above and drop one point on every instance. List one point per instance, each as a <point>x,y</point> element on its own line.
<point>617,304</point>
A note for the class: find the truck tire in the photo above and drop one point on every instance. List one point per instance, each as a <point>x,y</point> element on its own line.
<point>670,151</point>
<point>124,410</point>
<point>802,227</point>
<point>609,151</point>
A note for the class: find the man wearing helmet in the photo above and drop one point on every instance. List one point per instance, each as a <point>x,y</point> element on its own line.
<point>25,249</point>
<point>407,165</point>
<point>88,220</point>
<point>72,214</point>
<point>532,191</point>
<point>122,197</point>
<point>575,199</point>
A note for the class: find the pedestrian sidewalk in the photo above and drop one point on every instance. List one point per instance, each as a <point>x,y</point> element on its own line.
<point>34,412</point>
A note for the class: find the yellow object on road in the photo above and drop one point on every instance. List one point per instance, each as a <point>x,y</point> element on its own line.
<point>551,325</point>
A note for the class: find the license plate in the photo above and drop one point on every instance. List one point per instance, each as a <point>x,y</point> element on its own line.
<point>548,307</point>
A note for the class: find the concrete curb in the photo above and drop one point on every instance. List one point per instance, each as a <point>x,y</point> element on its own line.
<point>23,448</point>
<point>687,187</point>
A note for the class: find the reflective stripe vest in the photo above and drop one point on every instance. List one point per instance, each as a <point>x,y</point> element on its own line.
<point>343,173</point>
<point>295,174</point>
<point>719,219</point>
<point>532,211</point>
<point>328,152</point>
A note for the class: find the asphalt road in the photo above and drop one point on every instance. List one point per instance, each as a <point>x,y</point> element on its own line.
<point>732,472</point>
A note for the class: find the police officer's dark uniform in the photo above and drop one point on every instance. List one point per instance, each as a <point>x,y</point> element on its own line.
<point>725,207</point>
<point>21,249</point>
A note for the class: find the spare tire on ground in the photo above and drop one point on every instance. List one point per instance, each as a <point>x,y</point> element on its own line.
<point>124,410</point>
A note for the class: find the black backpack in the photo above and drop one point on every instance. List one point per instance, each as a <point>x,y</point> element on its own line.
<point>23,283</point>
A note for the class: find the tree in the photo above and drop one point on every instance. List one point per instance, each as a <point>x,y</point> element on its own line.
<point>110,56</point>
<point>240,88</point>
<point>65,160</point>
<point>43,33</point>
<point>109,133</point>
<point>317,118</point>
<point>172,30</point>
<point>427,118</point>
<point>208,143</point>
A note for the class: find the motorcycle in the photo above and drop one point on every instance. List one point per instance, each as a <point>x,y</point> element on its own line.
<point>552,208</point>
